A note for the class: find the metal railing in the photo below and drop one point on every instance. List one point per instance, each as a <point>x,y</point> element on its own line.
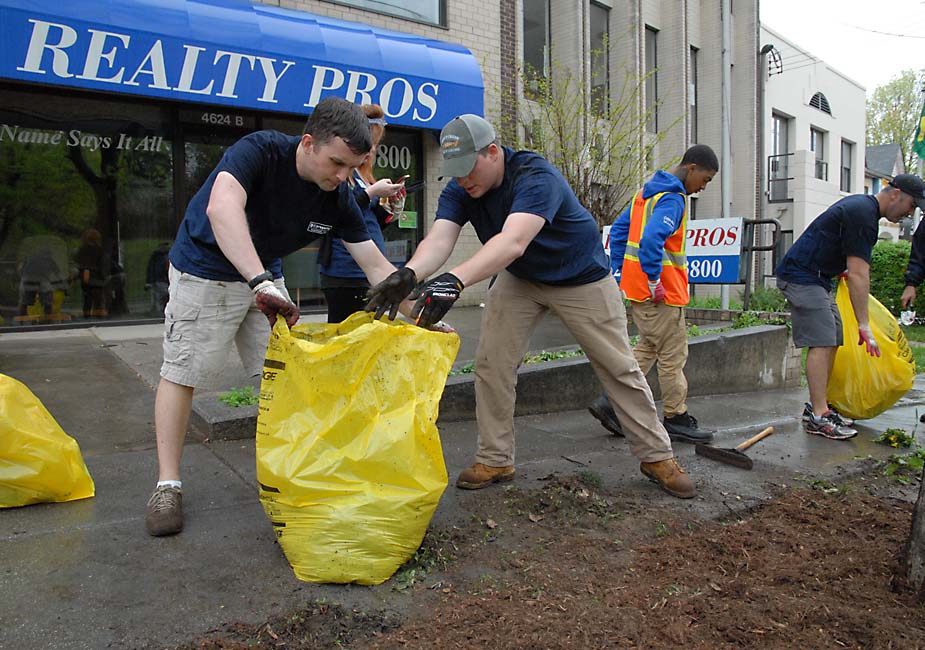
<point>779,177</point>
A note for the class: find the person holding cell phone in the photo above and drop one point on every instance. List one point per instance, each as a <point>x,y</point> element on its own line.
<point>343,282</point>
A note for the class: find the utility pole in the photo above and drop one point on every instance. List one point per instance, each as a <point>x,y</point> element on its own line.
<point>726,137</point>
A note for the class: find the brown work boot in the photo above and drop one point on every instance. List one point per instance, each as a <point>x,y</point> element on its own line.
<point>479,476</point>
<point>671,477</point>
<point>164,514</point>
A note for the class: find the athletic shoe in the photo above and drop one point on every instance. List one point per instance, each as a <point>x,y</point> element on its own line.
<point>837,417</point>
<point>840,419</point>
<point>164,514</point>
<point>825,425</point>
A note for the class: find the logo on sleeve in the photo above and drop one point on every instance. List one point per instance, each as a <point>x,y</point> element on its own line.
<point>318,228</point>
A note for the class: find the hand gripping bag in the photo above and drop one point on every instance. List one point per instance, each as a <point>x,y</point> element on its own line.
<point>38,461</point>
<point>349,460</point>
<point>862,386</point>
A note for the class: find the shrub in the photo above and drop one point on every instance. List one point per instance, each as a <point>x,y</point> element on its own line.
<point>767,299</point>
<point>887,266</point>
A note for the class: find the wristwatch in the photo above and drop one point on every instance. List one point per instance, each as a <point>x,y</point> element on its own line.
<point>257,279</point>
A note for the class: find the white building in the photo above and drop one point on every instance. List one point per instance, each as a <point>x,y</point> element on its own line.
<point>814,134</point>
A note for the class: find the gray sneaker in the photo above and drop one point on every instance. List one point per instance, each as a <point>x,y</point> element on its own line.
<point>164,515</point>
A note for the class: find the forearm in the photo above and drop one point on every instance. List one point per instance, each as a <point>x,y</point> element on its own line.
<point>371,260</point>
<point>858,292</point>
<point>234,239</point>
<point>429,256</point>
<point>497,253</point>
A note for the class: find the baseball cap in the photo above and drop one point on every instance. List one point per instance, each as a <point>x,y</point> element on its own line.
<point>911,185</point>
<point>460,142</point>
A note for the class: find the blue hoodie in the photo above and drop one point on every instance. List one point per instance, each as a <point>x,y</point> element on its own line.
<point>665,219</point>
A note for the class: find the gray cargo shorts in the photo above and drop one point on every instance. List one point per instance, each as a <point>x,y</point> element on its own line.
<point>814,315</point>
<point>201,320</point>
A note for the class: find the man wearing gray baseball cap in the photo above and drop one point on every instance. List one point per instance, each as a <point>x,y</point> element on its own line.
<point>546,251</point>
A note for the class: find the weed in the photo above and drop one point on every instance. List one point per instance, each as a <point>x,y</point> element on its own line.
<point>895,438</point>
<point>747,319</point>
<point>827,486</point>
<point>901,467</point>
<point>591,479</point>
<point>692,331</point>
<point>434,554</point>
<point>661,529</point>
<point>539,357</point>
<point>245,396</point>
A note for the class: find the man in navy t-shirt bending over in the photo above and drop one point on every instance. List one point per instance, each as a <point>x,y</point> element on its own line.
<point>270,195</point>
<point>546,250</point>
<point>840,238</point>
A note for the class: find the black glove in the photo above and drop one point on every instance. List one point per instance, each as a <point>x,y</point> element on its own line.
<point>388,294</point>
<point>435,298</point>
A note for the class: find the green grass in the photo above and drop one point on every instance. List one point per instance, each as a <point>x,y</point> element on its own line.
<point>914,332</point>
<point>246,396</point>
<point>918,353</point>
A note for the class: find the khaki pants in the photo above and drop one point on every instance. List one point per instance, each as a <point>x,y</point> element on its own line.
<point>663,339</point>
<point>595,316</point>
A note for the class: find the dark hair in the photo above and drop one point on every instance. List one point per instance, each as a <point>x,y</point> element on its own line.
<point>702,156</point>
<point>334,117</point>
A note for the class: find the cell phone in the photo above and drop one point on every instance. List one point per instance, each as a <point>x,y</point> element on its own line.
<point>402,179</point>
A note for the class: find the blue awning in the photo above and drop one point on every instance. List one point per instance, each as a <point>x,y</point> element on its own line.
<point>236,53</point>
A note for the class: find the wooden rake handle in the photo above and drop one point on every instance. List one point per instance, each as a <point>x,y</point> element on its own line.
<point>748,443</point>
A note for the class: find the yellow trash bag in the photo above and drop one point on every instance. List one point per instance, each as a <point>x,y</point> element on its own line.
<point>38,461</point>
<point>862,386</point>
<point>349,460</point>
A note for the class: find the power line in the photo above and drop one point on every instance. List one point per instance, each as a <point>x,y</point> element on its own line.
<point>877,31</point>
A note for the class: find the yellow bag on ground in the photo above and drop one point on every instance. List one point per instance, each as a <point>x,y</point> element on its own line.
<point>349,460</point>
<point>38,461</point>
<point>862,386</point>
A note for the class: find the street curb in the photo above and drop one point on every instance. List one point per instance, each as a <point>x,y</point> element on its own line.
<point>734,361</point>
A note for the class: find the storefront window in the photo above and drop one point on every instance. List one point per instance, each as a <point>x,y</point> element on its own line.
<point>86,203</point>
<point>92,192</point>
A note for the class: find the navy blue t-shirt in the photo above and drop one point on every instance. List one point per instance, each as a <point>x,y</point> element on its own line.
<point>847,228</point>
<point>284,211</point>
<point>568,249</point>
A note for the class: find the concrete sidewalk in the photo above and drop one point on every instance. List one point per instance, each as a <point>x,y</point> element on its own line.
<point>85,575</point>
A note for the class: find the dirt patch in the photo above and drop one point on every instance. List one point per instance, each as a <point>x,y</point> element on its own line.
<point>570,565</point>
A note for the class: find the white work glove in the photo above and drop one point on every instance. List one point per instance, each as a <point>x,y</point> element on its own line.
<point>657,291</point>
<point>866,337</point>
<point>273,302</point>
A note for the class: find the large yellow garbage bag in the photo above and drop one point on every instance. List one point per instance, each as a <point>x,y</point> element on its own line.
<point>348,455</point>
<point>38,461</point>
<point>862,386</point>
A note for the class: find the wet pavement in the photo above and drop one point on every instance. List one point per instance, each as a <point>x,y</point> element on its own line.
<point>85,575</point>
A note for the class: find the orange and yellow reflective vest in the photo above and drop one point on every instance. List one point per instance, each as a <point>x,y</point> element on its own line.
<point>633,281</point>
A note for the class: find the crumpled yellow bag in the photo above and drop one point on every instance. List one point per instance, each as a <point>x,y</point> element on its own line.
<point>862,386</point>
<point>349,460</point>
<point>38,461</point>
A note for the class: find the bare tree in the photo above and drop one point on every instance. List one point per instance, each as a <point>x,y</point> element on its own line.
<point>600,146</point>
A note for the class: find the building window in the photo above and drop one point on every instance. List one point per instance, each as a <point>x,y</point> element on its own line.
<point>820,102</point>
<point>692,95</point>
<point>536,44</point>
<point>600,58</point>
<point>847,151</point>
<point>651,80</point>
<point>779,160</point>
<point>817,146</point>
<point>422,11</point>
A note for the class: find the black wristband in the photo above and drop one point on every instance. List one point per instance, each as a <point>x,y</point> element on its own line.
<point>257,279</point>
